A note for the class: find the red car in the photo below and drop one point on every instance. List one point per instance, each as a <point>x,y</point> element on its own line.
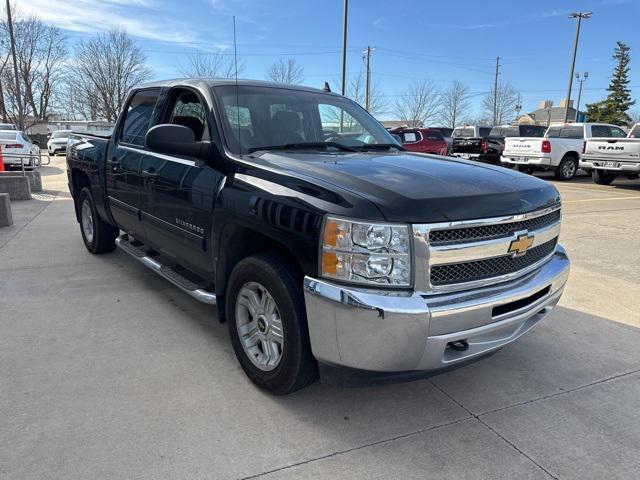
<point>423,140</point>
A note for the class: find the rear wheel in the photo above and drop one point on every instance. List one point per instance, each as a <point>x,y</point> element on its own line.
<point>602,178</point>
<point>567,168</point>
<point>98,236</point>
<point>267,325</point>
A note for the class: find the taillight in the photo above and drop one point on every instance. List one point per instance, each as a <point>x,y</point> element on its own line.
<point>14,145</point>
<point>546,146</point>
<point>584,147</point>
<point>484,146</point>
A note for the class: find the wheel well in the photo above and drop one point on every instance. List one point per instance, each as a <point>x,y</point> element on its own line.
<point>239,242</point>
<point>79,180</point>
<point>573,155</point>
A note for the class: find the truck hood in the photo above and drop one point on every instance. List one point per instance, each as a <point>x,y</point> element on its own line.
<point>415,188</point>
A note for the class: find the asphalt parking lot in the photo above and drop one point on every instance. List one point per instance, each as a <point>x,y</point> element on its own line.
<point>108,371</point>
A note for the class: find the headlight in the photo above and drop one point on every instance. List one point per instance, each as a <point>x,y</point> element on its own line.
<point>366,253</point>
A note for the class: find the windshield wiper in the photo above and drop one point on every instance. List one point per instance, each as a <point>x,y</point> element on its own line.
<point>304,146</point>
<point>380,146</point>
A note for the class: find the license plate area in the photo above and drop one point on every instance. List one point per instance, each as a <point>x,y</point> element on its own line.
<point>520,159</point>
<point>608,164</point>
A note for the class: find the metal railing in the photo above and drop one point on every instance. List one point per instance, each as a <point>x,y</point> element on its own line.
<point>32,160</point>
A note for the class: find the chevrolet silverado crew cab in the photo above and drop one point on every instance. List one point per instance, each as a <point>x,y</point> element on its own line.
<point>329,250</point>
<point>611,157</point>
<point>559,150</point>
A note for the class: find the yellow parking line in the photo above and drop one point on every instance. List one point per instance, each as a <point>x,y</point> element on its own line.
<point>626,197</point>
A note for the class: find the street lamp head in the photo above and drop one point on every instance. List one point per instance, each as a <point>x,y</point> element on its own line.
<point>580,14</point>
<point>577,76</point>
<point>586,74</point>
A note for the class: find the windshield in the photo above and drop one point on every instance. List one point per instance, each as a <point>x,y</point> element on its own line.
<point>263,117</point>
<point>8,135</point>
<point>61,134</point>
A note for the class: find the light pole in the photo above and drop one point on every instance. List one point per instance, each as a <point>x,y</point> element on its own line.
<point>586,75</point>
<point>344,47</point>
<point>579,16</point>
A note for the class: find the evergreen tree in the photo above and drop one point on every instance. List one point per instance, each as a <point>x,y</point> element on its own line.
<point>614,108</point>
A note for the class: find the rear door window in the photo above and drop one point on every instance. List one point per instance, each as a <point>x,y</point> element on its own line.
<point>138,117</point>
<point>600,131</point>
<point>565,132</point>
<point>410,137</point>
<point>617,132</point>
<point>635,132</point>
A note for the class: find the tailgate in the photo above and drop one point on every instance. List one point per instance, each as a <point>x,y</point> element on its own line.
<point>466,145</point>
<point>613,149</point>
<point>522,146</point>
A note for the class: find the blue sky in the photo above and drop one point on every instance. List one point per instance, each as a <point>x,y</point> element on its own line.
<point>442,41</point>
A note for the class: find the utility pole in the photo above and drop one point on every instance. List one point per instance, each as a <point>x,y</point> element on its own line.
<point>367,90</point>
<point>15,68</point>
<point>586,75</point>
<point>518,108</point>
<point>495,92</point>
<point>344,47</point>
<point>579,16</point>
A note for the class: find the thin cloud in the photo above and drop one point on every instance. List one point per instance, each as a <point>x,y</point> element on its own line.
<point>503,23</point>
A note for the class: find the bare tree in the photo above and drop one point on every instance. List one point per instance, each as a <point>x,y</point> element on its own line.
<point>418,104</point>
<point>286,71</point>
<point>506,101</point>
<point>40,55</point>
<point>105,68</point>
<point>211,65</point>
<point>454,104</point>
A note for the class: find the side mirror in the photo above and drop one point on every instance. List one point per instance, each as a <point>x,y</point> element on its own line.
<point>397,138</point>
<point>176,140</point>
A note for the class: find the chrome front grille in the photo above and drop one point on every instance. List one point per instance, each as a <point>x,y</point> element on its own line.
<point>487,232</point>
<point>492,267</point>
<point>459,255</point>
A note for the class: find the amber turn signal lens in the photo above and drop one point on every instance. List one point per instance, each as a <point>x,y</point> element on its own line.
<point>331,233</point>
<point>329,263</point>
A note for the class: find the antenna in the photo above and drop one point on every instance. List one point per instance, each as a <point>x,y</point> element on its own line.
<point>235,60</point>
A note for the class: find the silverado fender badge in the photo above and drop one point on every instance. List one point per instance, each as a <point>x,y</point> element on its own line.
<point>521,244</point>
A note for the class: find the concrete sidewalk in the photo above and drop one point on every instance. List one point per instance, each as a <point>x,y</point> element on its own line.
<point>108,371</point>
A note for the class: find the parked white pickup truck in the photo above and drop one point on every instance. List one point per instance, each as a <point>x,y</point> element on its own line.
<point>608,158</point>
<point>559,150</point>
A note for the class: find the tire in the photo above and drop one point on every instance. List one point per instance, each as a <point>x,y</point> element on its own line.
<point>98,236</point>
<point>567,168</point>
<point>602,178</point>
<point>523,169</point>
<point>295,368</point>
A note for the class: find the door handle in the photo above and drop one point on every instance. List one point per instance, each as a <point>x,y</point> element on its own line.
<point>151,173</point>
<point>113,163</point>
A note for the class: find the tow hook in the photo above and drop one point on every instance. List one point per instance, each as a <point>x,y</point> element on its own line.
<point>459,345</point>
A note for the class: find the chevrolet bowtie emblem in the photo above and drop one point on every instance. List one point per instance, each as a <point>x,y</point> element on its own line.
<point>521,244</point>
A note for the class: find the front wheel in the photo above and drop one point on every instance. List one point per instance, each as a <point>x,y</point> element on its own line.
<point>98,236</point>
<point>267,325</point>
<point>602,178</point>
<point>567,169</point>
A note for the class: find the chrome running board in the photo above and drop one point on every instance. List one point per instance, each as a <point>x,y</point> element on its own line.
<point>165,271</point>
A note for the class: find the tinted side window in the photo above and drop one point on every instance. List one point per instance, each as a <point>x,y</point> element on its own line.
<point>600,131</point>
<point>565,132</point>
<point>138,117</point>
<point>635,132</point>
<point>617,132</point>
<point>484,132</point>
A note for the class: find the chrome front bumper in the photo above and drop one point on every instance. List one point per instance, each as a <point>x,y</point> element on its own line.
<point>536,161</point>
<point>399,332</point>
<point>624,167</point>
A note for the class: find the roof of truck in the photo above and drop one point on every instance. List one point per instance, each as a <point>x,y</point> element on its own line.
<point>215,82</point>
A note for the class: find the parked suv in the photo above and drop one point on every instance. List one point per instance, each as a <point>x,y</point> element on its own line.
<point>58,141</point>
<point>328,248</point>
<point>423,140</point>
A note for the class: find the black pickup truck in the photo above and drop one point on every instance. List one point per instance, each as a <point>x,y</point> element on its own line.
<point>328,249</point>
<point>486,144</point>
